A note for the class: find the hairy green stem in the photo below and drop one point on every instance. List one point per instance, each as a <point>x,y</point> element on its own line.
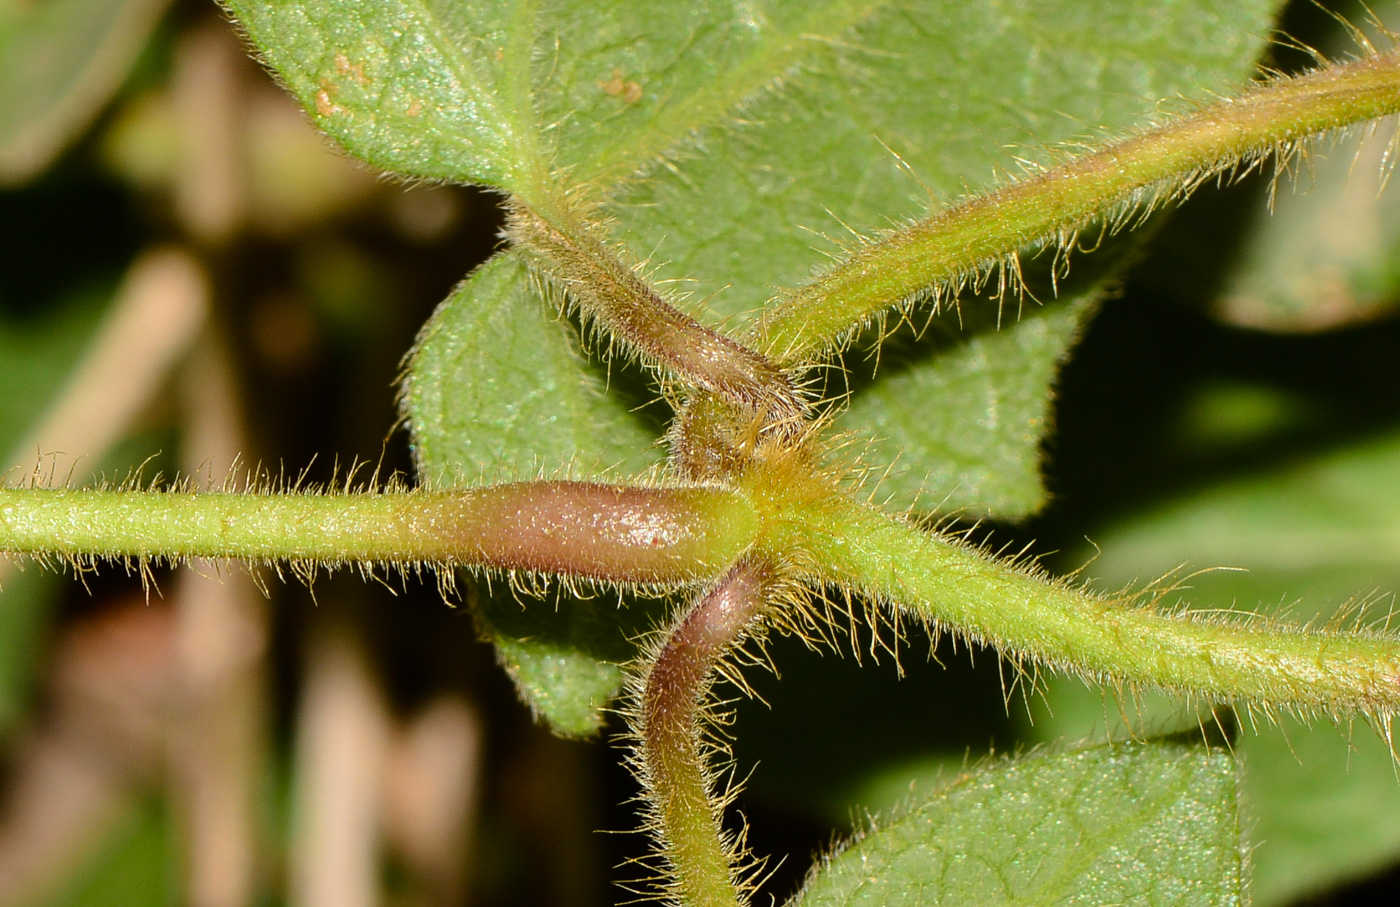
<point>581,529</point>
<point>957,245</point>
<point>1117,640</point>
<point>567,253</point>
<point>687,809</point>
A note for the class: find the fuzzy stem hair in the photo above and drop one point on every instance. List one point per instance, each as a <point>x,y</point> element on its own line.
<point>702,859</point>
<point>961,245</point>
<point>576,529</point>
<point>1121,640</point>
<point>565,252</point>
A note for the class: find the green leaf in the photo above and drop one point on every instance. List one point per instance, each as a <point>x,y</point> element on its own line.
<point>691,65</point>
<point>1339,511</point>
<point>1324,803</point>
<point>916,100</point>
<point>60,61</point>
<point>468,92</point>
<point>1136,824</point>
<point>811,118</point>
<point>566,656</point>
<point>796,108</point>
<point>426,88</point>
<point>497,391</point>
<point>961,414</point>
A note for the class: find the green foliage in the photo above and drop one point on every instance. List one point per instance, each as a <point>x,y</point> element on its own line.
<point>915,107</point>
<point>718,156</point>
<point>570,669</point>
<point>420,89</point>
<point>1327,800</point>
<point>742,207</point>
<point>1133,824</point>
<point>499,392</point>
<point>1303,522</point>
<point>972,374</point>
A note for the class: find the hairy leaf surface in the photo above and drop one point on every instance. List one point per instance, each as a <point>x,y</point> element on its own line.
<point>921,406</point>
<point>417,88</point>
<point>498,391</point>
<point>1151,824</point>
<point>915,106</point>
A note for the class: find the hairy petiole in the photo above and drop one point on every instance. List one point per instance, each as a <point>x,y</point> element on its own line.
<point>963,245</point>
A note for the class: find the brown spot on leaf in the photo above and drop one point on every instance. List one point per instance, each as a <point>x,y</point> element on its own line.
<point>325,105</point>
<point>415,108</point>
<point>617,87</point>
<point>354,70</point>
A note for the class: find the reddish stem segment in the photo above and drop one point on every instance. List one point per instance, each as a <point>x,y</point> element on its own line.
<point>567,253</point>
<point>685,805</point>
<point>584,529</point>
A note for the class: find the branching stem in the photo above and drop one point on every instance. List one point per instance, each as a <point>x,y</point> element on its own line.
<point>685,805</point>
<point>962,243</point>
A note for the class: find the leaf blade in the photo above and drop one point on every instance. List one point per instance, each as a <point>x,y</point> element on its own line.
<point>417,87</point>
<point>496,391</point>
<point>1144,824</point>
<point>964,421</point>
<point>865,134</point>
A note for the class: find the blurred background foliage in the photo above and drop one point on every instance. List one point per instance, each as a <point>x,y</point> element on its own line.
<point>193,283</point>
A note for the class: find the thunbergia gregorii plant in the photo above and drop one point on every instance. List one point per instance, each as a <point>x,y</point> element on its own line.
<point>733,194</point>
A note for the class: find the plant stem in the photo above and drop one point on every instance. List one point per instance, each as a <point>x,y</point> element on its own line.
<point>962,244</point>
<point>1120,640</point>
<point>685,806</point>
<point>581,529</point>
<point>564,250</point>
